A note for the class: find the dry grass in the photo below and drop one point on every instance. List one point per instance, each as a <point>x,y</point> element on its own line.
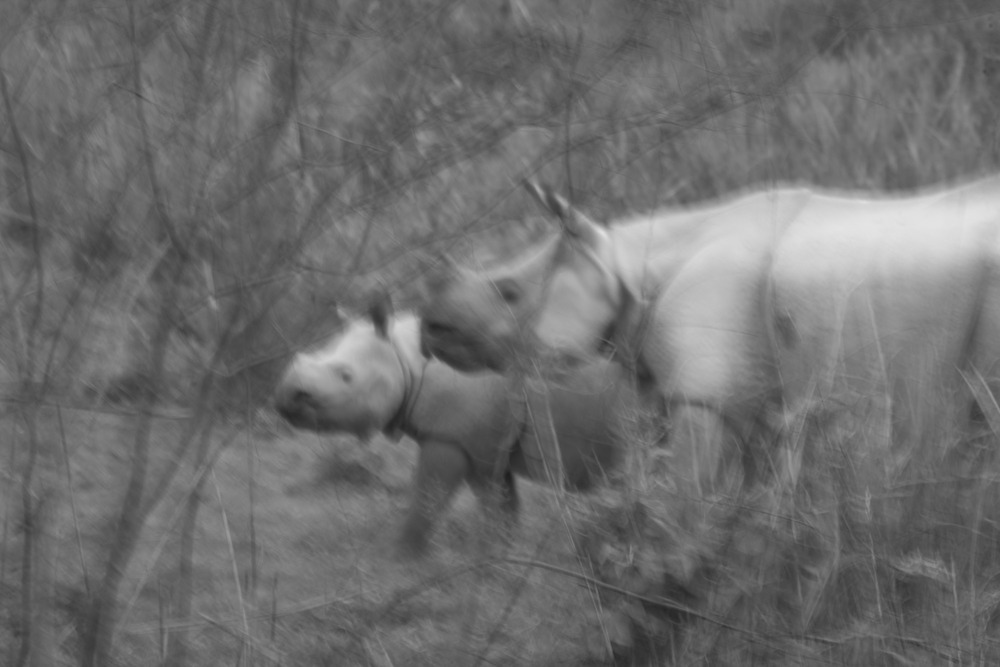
<point>309,579</point>
<point>850,548</point>
<point>189,190</point>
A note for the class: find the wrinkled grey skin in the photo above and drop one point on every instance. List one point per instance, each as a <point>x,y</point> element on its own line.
<point>765,302</point>
<point>481,428</point>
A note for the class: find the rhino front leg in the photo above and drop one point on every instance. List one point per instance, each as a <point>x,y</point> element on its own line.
<point>510,502</point>
<point>441,468</point>
<point>706,470</point>
<point>500,494</point>
<point>500,502</point>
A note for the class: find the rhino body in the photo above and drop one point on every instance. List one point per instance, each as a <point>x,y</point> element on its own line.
<point>480,428</point>
<point>764,303</point>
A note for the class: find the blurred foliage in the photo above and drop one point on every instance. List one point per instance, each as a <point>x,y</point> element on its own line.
<point>297,152</point>
<point>190,190</point>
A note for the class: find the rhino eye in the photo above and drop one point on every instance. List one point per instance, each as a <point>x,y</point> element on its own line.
<point>345,374</point>
<point>509,291</point>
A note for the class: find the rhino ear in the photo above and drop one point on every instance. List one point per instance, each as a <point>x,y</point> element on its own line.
<point>380,310</point>
<point>574,221</point>
<point>547,198</point>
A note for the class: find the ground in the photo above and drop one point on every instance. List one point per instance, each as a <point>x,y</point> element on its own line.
<point>316,580</point>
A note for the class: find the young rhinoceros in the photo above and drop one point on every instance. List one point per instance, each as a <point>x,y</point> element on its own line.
<point>480,428</point>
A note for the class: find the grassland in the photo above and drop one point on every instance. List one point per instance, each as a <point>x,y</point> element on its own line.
<point>189,189</point>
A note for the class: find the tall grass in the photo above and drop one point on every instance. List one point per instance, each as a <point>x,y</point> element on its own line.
<point>190,190</point>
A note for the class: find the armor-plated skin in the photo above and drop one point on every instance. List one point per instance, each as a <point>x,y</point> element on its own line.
<point>481,427</point>
<point>772,300</point>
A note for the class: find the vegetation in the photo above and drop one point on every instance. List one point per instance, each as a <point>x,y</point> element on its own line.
<point>188,191</point>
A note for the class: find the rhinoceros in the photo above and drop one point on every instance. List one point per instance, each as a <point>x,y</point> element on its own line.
<point>481,428</point>
<point>767,301</point>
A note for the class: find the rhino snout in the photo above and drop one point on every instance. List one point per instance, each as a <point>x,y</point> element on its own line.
<point>439,329</point>
<point>298,406</point>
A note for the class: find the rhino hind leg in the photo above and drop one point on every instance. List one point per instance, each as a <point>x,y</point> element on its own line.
<point>441,468</point>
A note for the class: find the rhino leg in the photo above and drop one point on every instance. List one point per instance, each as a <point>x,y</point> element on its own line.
<point>511,502</point>
<point>441,468</point>
<point>985,352</point>
<point>498,494</point>
<point>499,500</point>
<point>705,467</point>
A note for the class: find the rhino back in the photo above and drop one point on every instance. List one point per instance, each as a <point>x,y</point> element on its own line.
<point>475,412</point>
<point>895,291</point>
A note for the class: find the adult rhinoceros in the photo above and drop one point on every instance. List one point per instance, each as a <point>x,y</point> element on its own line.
<point>764,300</point>
<point>475,427</point>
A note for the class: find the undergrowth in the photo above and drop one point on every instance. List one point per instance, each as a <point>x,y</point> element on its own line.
<point>190,191</point>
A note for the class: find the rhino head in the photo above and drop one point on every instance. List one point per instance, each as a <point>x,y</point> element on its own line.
<point>559,297</point>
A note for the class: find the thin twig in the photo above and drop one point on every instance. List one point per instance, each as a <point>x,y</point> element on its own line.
<point>232,555</point>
